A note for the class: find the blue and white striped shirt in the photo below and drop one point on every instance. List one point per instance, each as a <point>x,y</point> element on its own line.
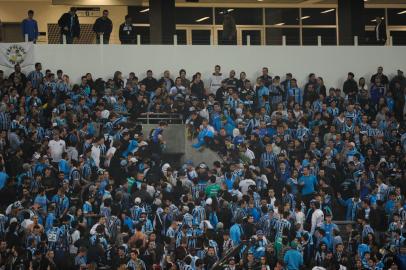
<point>268,159</point>
<point>36,78</point>
<point>280,226</point>
<point>5,121</point>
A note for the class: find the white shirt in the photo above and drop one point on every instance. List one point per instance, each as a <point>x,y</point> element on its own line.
<point>215,82</point>
<point>300,217</point>
<point>245,184</point>
<point>317,219</point>
<point>109,155</point>
<point>249,154</point>
<point>74,236</point>
<point>208,127</point>
<point>72,153</point>
<point>26,223</point>
<point>96,154</point>
<point>56,148</point>
<point>177,90</point>
<point>204,113</point>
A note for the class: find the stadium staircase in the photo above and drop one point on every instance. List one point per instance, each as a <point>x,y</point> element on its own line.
<point>179,147</point>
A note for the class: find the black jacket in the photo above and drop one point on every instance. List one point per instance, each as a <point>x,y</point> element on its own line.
<point>104,26</point>
<point>384,78</point>
<point>350,87</point>
<point>378,219</point>
<point>151,84</point>
<point>382,31</point>
<point>127,34</point>
<point>73,29</point>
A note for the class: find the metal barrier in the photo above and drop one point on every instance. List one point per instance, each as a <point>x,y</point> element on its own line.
<point>155,118</point>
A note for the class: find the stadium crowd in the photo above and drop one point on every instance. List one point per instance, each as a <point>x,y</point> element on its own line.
<point>83,187</point>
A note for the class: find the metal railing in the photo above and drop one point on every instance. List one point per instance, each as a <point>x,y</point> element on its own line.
<point>320,41</point>
<point>155,118</point>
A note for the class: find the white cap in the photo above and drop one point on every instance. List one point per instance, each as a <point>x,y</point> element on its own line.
<point>157,202</point>
<point>209,201</point>
<point>133,159</point>
<point>137,200</point>
<point>13,220</point>
<point>165,167</point>
<point>36,155</point>
<point>105,114</point>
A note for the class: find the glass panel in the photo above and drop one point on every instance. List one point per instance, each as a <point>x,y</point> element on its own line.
<point>287,16</point>
<point>255,37</point>
<point>190,15</point>
<point>396,16</point>
<point>328,36</point>
<point>139,14</point>
<point>318,16</point>
<point>372,13</point>
<point>398,37</point>
<point>242,16</point>
<point>274,36</point>
<point>144,33</point>
<point>201,37</point>
<point>224,41</point>
<point>181,37</point>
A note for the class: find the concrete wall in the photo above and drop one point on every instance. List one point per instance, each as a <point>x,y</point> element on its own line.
<point>180,147</point>
<point>330,62</point>
<point>174,135</point>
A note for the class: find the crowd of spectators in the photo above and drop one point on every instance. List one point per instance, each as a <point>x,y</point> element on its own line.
<point>82,186</point>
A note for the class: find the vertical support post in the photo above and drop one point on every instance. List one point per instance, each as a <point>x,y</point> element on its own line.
<point>175,39</point>
<point>64,39</point>
<point>138,40</point>
<point>248,40</point>
<point>355,40</point>
<point>283,40</point>
<point>26,37</point>
<point>101,39</point>
<point>319,41</point>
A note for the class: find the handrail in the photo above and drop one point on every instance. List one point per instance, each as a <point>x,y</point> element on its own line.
<point>155,118</point>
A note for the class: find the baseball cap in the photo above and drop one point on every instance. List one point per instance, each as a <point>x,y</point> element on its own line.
<point>13,220</point>
<point>137,200</point>
<point>209,201</point>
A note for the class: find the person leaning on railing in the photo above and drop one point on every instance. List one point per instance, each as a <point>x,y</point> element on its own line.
<point>70,26</point>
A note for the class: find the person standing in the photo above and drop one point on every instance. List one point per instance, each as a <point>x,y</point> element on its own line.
<point>350,87</point>
<point>293,259</point>
<point>30,27</point>
<point>127,31</point>
<point>70,27</point>
<point>380,31</point>
<point>103,26</point>
<point>215,80</point>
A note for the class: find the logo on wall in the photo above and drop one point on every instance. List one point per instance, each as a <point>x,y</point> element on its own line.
<point>16,54</point>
